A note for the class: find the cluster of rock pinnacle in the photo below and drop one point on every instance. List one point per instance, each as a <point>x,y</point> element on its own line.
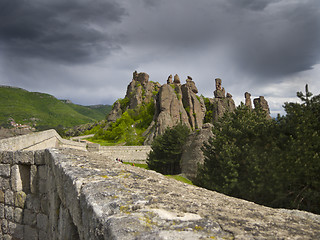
<point>177,103</point>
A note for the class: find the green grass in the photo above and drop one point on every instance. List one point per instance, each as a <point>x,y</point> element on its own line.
<point>22,105</point>
<point>180,178</point>
<point>140,165</point>
<point>176,177</point>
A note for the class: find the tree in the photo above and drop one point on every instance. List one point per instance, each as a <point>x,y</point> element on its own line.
<point>273,162</point>
<point>167,150</point>
<point>236,157</point>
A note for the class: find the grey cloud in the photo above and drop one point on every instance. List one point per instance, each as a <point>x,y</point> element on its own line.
<point>266,39</point>
<point>256,5</point>
<point>63,31</point>
<point>280,41</point>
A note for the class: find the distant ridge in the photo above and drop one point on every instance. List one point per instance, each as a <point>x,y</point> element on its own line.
<point>45,111</point>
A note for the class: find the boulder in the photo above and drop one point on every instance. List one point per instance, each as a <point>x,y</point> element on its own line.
<point>192,154</point>
<point>169,80</point>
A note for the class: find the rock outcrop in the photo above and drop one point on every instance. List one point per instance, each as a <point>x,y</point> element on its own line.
<point>248,102</point>
<point>263,104</point>
<point>193,104</point>
<point>115,113</point>
<point>169,112</point>
<point>176,103</point>
<point>221,103</point>
<point>192,154</point>
<point>140,90</point>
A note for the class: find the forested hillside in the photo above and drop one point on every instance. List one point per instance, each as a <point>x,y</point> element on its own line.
<point>44,111</point>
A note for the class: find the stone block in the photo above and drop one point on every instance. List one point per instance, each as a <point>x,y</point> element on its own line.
<point>44,204</point>
<point>33,179</point>
<point>4,183</point>
<point>39,157</point>
<point>29,217</point>
<point>8,213</point>
<point>1,196</point>
<point>5,170</point>
<point>42,172</point>
<point>42,222</point>
<point>23,157</point>
<point>9,197</point>
<point>16,183</point>
<point>4,226</point>
<point>43,235</point>
<point>20,199</point>
<point>30,233</point>
<point>18,215</point>
<point>1,210</point>
<point>16,230</point>
<point>42,185</point>
<point>33,203</point>
<point>6,157</point>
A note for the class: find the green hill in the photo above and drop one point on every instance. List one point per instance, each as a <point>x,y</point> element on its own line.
<point>45,110</point>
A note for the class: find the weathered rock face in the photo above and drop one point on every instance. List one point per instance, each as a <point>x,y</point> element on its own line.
<point>193,104</point>
<point>248,100</point>
<point>115,112</point>
<point>192,153</point>
<point>219,92</point>
<point>221,103</point>
<point>169,112</point>
<point>262,103</point>
<point>169,81</point>
<point>176,79</point>
<point>140,90</point>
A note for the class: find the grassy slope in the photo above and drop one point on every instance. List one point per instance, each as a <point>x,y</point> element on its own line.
<point>22,105</point>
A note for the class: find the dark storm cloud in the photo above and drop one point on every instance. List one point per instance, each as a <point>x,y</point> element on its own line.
<point>256,5</point>
<point>70,31</point>
<point>281,40</point>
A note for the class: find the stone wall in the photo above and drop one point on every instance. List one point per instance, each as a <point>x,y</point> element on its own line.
<point>37,141</point>
<point>136,154</point>
<point>72,194</point>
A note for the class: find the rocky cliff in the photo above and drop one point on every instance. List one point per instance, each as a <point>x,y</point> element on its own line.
<point>175,103</point>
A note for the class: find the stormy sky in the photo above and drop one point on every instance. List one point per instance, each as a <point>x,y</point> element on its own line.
<point>86,50</point>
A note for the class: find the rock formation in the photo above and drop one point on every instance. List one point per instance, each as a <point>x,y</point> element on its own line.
<point>248,100</point>
<point>192,154</point>
<point>263,104</point>
<point>140,90</point>
<point>176,79</point>
<point>115,113</point>
<point>221,103</point>
<point>169,81</point>
<point>193,104</point>
<point>169,112</point>
<point>176,103</point>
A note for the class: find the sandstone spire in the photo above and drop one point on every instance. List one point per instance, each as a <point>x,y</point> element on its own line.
<point>248,100</point>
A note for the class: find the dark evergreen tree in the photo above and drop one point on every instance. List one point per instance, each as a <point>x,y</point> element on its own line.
<point>273,162</point>
<point>167,150</point>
